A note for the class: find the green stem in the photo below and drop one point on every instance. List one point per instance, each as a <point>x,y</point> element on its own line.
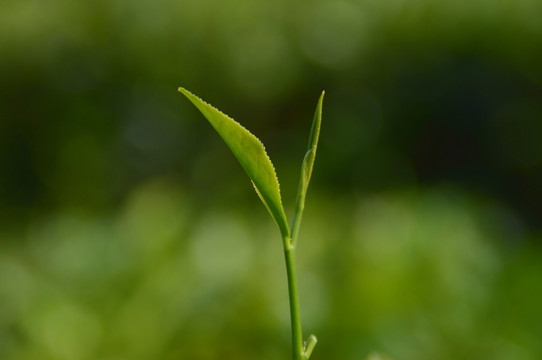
<point>295,317</point>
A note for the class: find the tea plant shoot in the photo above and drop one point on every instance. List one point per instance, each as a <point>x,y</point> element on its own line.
<point>251,154</point>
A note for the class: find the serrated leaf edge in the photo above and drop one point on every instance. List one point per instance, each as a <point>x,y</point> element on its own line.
<point>282,223</point>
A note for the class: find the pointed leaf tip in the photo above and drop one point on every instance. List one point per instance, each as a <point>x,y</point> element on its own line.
<point>251,154</point>
<point>308,161</point>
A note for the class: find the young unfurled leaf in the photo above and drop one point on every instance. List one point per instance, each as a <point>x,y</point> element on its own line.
<point>306,168</point>
<point>250,152</point>
<point>308,161</point>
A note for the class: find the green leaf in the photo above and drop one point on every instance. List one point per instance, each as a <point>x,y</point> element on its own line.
<point>310,155</point>
<point>250,152</point>
<point>306,169</point>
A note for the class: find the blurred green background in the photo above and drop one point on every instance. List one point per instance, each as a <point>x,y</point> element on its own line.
<point>128,230</point>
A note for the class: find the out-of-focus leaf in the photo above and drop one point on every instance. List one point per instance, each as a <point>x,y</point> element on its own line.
<point>378,356</point>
